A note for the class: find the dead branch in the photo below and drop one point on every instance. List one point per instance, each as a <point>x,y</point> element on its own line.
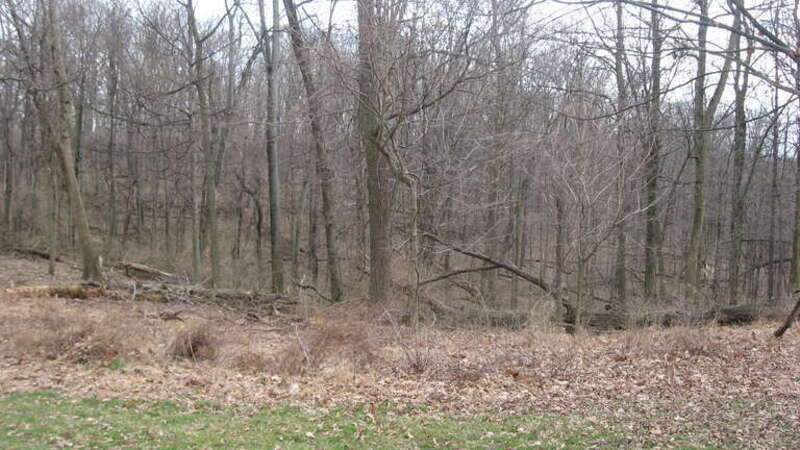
<point>791,318</point>
<point>525,276</point>
<point>312,288</point>
<point>459,272</point>
<point>171,315</point>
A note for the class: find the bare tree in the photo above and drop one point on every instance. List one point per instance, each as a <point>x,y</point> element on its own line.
<point>322,166</point>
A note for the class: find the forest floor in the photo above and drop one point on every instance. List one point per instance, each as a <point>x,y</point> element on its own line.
<point>332,378</point>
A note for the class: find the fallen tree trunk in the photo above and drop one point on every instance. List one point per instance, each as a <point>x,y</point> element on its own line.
<point>80,291</point>
<point>501,319</point>
<point>35,253</point>
<point>141,271</point>
<point>164,293</point>
<point>237,299</point>
<point>738,315</point>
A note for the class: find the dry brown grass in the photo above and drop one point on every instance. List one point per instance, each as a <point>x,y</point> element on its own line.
<point>326,340</point>
<point>251,361</point>
<point>195,340</point>
<point>54,329</point>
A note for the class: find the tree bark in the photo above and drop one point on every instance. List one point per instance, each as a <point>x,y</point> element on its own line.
<point>63,145</point>
<point>620,283</point>
<point>371,131</point>
<point>652,165</point>
<point>738,192</point>
<point>270,52</point>
<point>794,277</point>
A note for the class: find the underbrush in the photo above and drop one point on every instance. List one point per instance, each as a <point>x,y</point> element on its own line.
<point>196,341</point>
<point>328,342</point>
<point>685,341</point>
<point>52,329</point>
<point>336,342</point>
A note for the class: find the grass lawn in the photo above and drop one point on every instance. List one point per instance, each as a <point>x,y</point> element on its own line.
<point>48,420</point>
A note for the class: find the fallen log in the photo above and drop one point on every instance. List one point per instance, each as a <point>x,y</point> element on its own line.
<point>141,271</point>
<point>35,253</point>
<point>610,321</point>
<point>738,315</point>
<point>79,291</point>
<point>266,304</point>
<point>233,298</point>
<point>501,319</point>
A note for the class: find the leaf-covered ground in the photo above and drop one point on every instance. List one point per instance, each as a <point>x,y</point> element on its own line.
<point>681,387</point>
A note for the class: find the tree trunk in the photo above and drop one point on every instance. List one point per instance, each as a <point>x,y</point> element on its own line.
<point>63,145</point>
<point>693,258</point>
<point>620,283</point>
<point>737,189</point>
<point>202,87</point>
<point>52,219</point>
<point>112,135</point>
<point>794,277</point>
<point>773,198</point>
<point>313,259</point>
<point>652,165</point>
<point>371,131</point>
<point>270,52</point>
<point>703,120</point>
<point>322,166</point>
<point>519,236</point>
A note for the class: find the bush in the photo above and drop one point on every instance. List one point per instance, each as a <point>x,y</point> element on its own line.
<point>62,333</point>
<point>311,348</point>
<point>195,341</point>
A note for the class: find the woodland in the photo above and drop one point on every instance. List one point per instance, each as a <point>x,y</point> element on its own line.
<point>399,223</point>
<point>606,163</point>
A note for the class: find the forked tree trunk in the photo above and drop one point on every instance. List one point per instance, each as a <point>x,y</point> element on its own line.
<point>703,120</point>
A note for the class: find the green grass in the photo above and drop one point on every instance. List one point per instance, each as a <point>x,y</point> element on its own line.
<point>47,420</point>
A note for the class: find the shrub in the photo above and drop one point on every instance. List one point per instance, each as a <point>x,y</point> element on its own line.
<point>311,348</point>
<point>195,341</point>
